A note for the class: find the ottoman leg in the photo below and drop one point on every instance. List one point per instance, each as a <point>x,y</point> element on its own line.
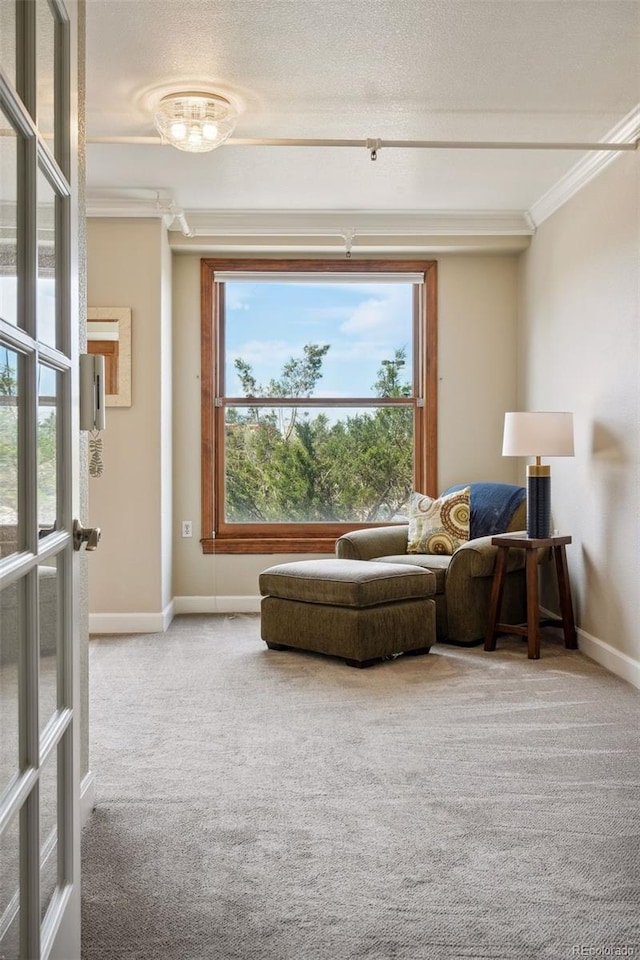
<point>420,652</point>
<point>361,664</point>
<point>276,646</point>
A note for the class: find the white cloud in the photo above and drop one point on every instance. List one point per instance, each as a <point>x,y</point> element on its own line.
<point>266,351</point>
<point>378,314</point>
<point>367,316</point>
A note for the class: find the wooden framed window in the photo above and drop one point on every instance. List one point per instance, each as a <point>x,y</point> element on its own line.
<point>319,393</point>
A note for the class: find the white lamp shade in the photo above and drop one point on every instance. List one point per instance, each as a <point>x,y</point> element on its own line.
<point>539,434</point>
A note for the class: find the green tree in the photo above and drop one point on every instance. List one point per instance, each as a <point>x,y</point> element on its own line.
<point>46,439</point>
<point>298,379</point>
<point>281,466</point>
<point>389,382</point>
<point>8,441</point>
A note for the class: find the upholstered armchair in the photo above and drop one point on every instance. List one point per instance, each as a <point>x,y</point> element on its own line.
<point>463,580</point>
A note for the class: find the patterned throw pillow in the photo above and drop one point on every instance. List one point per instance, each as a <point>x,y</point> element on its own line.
<point>439,526</point>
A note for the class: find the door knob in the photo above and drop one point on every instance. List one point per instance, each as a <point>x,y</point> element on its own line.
<point>89,535</point>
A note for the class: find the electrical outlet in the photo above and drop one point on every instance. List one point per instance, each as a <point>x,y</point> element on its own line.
<point>187,528</point>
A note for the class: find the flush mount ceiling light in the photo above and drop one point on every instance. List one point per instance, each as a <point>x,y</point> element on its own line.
<point>195,122</point>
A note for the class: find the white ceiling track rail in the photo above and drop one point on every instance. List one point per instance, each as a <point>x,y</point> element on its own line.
<point>377,144</point>
<point>374,145</point>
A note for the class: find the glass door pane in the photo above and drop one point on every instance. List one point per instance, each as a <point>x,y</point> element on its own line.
<point>8,43</point>
<point>48,400</point>
<point>10,892</point>
<point>9,680</point>
<point>8,218</point>
<point>10,377</point>
<point>46,262</point>
<point>48,830</point>
<point>49,645</point>
<point>45,71</point>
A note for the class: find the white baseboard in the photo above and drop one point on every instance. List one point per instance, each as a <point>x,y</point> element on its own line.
<point>159,622</point>
<point>132,622</point>
<point>603,653</point>
<point>607,656</point>
<point>243,604</point>
<point>87,797</point>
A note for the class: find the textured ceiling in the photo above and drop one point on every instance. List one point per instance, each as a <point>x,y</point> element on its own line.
<point>389,69</point>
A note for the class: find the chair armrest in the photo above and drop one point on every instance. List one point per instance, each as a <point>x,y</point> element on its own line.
<point>477,558</point>
<point>374,542</point>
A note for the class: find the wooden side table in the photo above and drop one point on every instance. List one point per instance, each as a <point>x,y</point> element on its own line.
<point>531,629</point>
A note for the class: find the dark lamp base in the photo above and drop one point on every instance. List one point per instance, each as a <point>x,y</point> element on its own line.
<point>538,507</point>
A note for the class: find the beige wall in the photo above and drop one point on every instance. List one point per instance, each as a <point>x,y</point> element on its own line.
<point>477,383</point>
<point>128,264</point>
<point>477,307</point>
<point>578,350</point>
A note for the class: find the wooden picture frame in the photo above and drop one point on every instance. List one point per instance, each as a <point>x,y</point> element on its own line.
<point>109,334</point>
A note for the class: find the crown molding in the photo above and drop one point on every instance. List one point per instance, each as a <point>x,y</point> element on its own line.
<point>627,131</point>
<point>357,232</point>
<point>128,202</point>
<point>391,247</point>
<point>276,224</point>
<point>356,223</point>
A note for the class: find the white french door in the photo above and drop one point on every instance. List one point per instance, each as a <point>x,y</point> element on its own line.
<point>39,482</point>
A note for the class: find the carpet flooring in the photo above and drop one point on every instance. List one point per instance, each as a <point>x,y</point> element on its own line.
<point>263,805</point>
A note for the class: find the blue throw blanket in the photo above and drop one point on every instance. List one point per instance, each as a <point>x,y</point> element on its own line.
<point>492,506</point>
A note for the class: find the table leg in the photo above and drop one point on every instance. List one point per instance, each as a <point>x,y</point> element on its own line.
<point>564,592</point>
<point>495,603</point>
<point>533,608</point>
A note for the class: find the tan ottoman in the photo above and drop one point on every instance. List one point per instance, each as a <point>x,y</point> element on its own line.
<point>360,610</point>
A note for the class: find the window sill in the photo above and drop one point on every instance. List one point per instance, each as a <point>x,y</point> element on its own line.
<point>268,545</point>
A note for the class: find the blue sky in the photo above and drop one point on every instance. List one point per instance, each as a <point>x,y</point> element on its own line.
<point>365,323</point>
<point>46,305</point>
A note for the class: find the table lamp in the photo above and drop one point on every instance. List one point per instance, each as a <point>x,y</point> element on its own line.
<point>539,434</point>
